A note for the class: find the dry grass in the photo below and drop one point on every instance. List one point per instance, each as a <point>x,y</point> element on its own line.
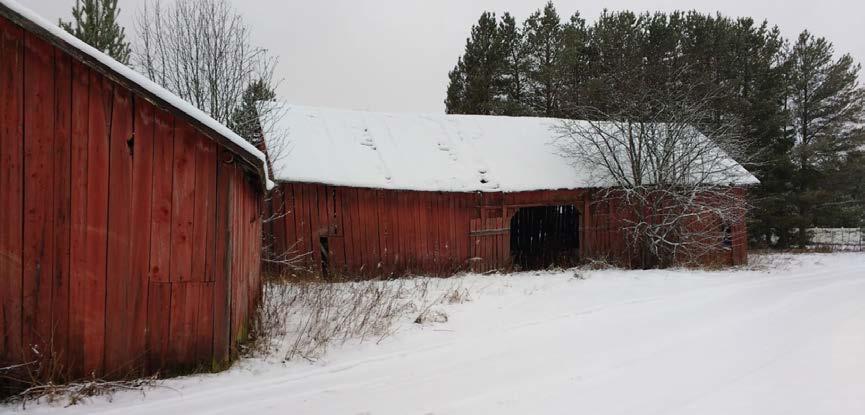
<point>76,392</point>
<point>44,380</point>
<point>303,319</point>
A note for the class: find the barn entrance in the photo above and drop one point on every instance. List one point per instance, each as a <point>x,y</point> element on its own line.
<point>545,236</point>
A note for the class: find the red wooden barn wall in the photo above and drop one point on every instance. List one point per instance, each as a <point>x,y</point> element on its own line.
<point>375,232</point>
<point>129,240</point>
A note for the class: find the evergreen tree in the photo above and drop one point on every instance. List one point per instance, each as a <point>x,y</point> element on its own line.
<point>511,80</point>
<point>615,46</point>
<point>246,119</point>
<point>96,24</point>
<point>574,66</point>
<point>826,105</point>
<point>456,94</point>
<point>478,71</point>
<point>544,41</point>
<point>800,110</point>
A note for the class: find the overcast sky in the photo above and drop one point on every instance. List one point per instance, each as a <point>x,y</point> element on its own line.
<point>394,55</point>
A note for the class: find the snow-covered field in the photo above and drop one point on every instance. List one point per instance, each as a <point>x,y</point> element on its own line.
<point>788,339</point>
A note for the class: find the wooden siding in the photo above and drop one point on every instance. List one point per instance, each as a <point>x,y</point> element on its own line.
<point>129,239</point>
<point>374,232</point>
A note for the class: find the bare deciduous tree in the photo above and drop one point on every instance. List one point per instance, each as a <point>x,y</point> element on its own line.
<point>666,160</point>
<point>202,51</point>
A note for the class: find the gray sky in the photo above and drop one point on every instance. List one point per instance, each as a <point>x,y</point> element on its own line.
<point>394,55</point>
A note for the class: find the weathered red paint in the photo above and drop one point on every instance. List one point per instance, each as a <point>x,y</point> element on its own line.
<point>129,238</point>
<point>377,232</point>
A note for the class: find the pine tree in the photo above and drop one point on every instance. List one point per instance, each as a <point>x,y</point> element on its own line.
<point>456,94</point>
<point>478,72</point>
<point>511,80</point>
<point>827,104</point>
<point>616,49</point>
<point>544,41</point>
<point>574,66</point>
<point>96,24</point>
<point>246,120</point>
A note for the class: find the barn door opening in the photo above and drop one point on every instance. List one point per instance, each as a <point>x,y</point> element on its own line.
<point>545,236</point>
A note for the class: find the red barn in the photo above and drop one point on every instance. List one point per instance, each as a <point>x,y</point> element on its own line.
<point>130,232</point>
<point>373,194</point>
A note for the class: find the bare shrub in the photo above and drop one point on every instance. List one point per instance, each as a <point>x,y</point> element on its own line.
<point>77,392</point>
<point>304,319</point>
<point>666,160</point>
<point>45,378</point>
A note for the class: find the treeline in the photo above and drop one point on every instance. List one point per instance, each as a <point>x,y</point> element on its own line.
<point>799,104</point>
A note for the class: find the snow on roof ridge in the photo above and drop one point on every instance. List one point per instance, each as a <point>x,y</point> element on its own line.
<point>409,113</point>
<point>428,152</point>
<point>142,81</point>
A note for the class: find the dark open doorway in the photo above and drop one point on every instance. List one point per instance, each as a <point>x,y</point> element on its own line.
<point>545,236</point>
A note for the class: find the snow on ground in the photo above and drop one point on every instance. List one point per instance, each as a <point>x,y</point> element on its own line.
<point>788,339</point>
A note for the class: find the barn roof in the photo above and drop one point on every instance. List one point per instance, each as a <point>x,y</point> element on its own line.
<point>118,72</point>
<point>431,152</point>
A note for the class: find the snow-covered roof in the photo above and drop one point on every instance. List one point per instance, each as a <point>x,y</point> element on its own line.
<point>56,34</point>
<point>431,152</point>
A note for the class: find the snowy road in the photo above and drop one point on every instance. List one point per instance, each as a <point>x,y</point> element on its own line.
<point>790,340</point>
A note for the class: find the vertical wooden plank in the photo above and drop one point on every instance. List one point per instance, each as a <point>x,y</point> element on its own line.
<point>276,229</point>
<point>209,192</point>
<point>414,206</point>
<point>443,215</point>
<point>313,211</point>
<point>302,222</point>
<point>38,245</point>
<point>204,324</point>
<point>161,205</point>
<point>238,292</point>
<point>376,232</point>
<point>118,300</point>
<point>158,325</point>
<point>370,230</point>
<point>414,241</point>
<point>347,229</point>
<point>97,223</point>
<point>222,283</point>
<point>386,231</point>
<point>184,331</point>
<point>62,201</point>
<point>424,248</point>
<point>205,155</point>
<point>310,206</point>
<point>474,246</point>
<point>183,202</point>
<point>393,216</point>
<point>450,229</point>
<point>338,242</point>
<point>358,232</point>
<point>324,219</point>
<point>78,217</point>
<point>291,235</point>
<point>142,203</point>
<point>11,181</point>
<point>405,232</point>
